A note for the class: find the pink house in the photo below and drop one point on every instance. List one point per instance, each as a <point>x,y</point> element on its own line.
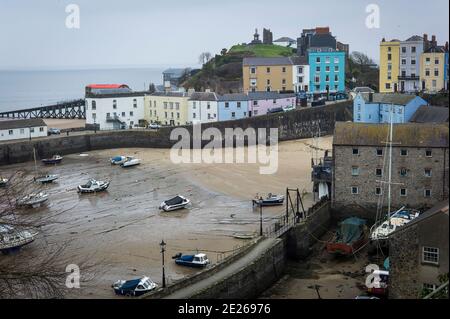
<point>260,103</point>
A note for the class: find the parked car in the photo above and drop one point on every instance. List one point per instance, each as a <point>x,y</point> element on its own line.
<point>275,110</point>
<point>154,126</point>
<point>319,102</point>
<point>54,131</point>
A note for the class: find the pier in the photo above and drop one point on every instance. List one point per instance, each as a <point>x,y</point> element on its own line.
<point>74,109</point>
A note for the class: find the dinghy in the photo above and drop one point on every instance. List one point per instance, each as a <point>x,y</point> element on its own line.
<point>178,202</point>
<point>3,181</point>
<point>196,261</point>
<point>118,160</point>
<point>134,287</point>
<point>56,159</point>
<point>12,240</point>
<point>33,200</point>
<point>270,200</point>
<point>93,186</point>
<point>46,179</point>
<point>131,161</point>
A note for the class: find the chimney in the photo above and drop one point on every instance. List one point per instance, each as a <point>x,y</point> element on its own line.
<point>433,41</point>
<point>446,47</point>
<point>207,90</point>
<point>370,97</point>
<point>426,44</point>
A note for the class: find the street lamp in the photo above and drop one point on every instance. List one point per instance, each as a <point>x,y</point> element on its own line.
<point>260,216</point>
<point>163,249</point>
<point>95,126</point>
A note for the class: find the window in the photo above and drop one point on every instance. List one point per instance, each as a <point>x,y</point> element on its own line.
<point>428,153</point>
<point>436,61</point>
<point>355,190</point>
<point>379,172</point>
<point>22,131</point>
<point>94,116</point>
<point>336,68</point>
<point>135,103</point>
<point>171,105</point>
<point>355,171</point>
<point>389,49</point>
<point>10,132</point>
<point>403,172</point>
<point>94,105</point>
<point>268,81</point>
<point>403,49</point>
<point>238,105</point>
<point>41,129</point>
<point>436,72</point>
<point>327,59</point>
<point>114,104</point>
<point>413,61</point>
<point>284,69</point>
<point>274,101</point>
<point>389,67</point>
<point>403,61</point>
<point>123,114</point>
<point>208,106</point>
<point>300,69</point>
<point>131,113</point>
<point>268,70</point>
<point>379,152</point>
<point>355,151</point>
<point>318,60</point>
<point>403,192</point>
<point>154,103</point>
<point>255,112</point>
<point>165,114</point>
<point>283,81</point>
<point>336,60</point>
<point>413,49</point>
<point>427,172</point>
<point>268,89</point>
<point>427,72</point>
<point>389,76</point>
<point>194,105</point>
<point>388,86</point>
<point>389,57</point>
<point>165,105</point>
<point>317,79</point>
<point>253,70</point>
<point>378,191</point>
<point>178,115</point>
<point>317,68</point>
<point>227,105</point>
<point>171,114</point>
<point>233,115</point>
<point>255,103</point>
<point>193,115</point>
<point>430,255</point>
<point>336,78</point>
<point>427,193</point>
<point>433,83</point>
<point>404,152</point>
<point>327,78</point>
<point>177,105</point>
<point>403,73</point>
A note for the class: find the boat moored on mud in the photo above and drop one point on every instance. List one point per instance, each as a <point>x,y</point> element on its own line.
<point>197,261</point>
<point>131,161</point>
<point>33,200</point>
<point>3,181</point>
<point>351,235</point>
<point>134,287</point>
<point>178,202</point>
<point>93,186</point>
<point>46,179</point>
<point>55,159</point>
<point>118,160</point>
<point>12,240</point>
<point>269,200</point>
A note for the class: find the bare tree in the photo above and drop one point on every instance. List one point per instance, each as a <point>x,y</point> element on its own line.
<point>204,57</point>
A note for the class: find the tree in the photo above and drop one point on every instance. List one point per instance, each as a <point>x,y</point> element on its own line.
<point>204,57</point>
<point>152,88</point>
<point>224,51</point>
<point>361,59</point>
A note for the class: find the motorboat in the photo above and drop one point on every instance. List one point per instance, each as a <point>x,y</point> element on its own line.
<point>33,200</point>
<point>197,261</point>
<point>244,235</point>
<point>118,160</point>
<point>178,202</point>
<point>3,182</point>
<point>55,159</point>
<point>46,179</point>
<point>12,240</point>
<point>93,186</point>
<point>270,200</point>
<point>351,235</point>
<point>134,287</point>
<point>397,219</point>
<point>131,161</point>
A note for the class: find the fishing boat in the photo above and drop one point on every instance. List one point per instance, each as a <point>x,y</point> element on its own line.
<point>196,261</point>
<point>3,182</point>
<point>33,200</point>
<point>46,179</point>
<point>351,235</point>
<point>131,161</point>
<point>93,186</point>
<point>178,202</point>
<point>55,159</point>
<point>134,287</point>
<point>270,200</point>
<point>118,160</point>
<point>12,240</point>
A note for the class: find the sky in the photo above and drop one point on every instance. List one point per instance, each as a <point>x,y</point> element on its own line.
<point>118,33</point>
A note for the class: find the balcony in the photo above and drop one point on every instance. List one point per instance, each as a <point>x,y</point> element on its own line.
<point>408,78</point>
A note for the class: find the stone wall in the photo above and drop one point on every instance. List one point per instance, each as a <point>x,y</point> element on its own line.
<point>304,123</point>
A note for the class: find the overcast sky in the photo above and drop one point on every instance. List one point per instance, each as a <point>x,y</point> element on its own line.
<point>156,33</point>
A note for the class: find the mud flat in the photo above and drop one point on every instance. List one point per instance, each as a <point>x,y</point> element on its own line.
<point>118,231</point>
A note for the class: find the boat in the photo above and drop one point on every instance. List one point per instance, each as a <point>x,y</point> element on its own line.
<point>379,283</point>
<point>3,181</point>
<point>118,160</point>
<point>93,186</point>
<point>33,200</point>
<point>196,261</point>
<point>244,236</point>
<point>351,235</point>
<point>12,240</point>
<point>381,232</point>
<point>46,179</point>
<point>178,202</point>
<point>270,200</point>
<point>55,159</point>
<point>131,161</point>
<point>134,287</point>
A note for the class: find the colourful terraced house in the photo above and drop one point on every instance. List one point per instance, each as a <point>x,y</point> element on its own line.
<point>166,108</point>
<point>232,106</point>
<point>327,71</point>
<point>434,69</point>
<point>389,65</point>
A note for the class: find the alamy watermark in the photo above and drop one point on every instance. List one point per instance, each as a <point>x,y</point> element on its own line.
<point>373,19</point>
<point>73,17</point>
<point>261,148</point>
<point>73,279</point>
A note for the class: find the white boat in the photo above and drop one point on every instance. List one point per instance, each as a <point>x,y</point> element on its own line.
<point>396,220</point>
<point>11,239</point>
<point>118,160</point>
<point>45,179</point>
<point>33,200</point>
<point>135,287</point>
<point>93,186</point>
<point>3,181</point>
<point>244,235</point>
<point>178,202</point>
<point>270,200</point>
<point>131,161</point>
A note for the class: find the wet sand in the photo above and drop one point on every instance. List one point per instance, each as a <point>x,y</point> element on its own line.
<point>64,124</point>
<point>119,230</point>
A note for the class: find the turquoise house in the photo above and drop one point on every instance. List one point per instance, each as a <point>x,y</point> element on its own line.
<point>327,71</point>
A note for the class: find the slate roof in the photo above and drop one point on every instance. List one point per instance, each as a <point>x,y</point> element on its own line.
<point>299,60</point>
<point>363,89</point>
<point>390,98</point>
<point>284,39</point>
<point>23,123</point>
<point>268,95</point>
<point>435,49</point>
<point>430,114</point>
<point>408,134</point>
<point>267,61</point>
<point>414,38</point>
<point>233,97</point>
<point>170,94</point>
<point>203,96</point>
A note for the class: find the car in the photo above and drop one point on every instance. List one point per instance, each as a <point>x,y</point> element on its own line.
<point>154,126</point>
<point>53,131</point>
<point>275,110</point>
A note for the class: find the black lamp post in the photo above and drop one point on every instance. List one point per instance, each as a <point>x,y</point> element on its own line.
<point>163,249</point>
<point>260,216</point>
<point>95,126</point>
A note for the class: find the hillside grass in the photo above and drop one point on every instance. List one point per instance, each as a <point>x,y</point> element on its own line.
<point>262,50</point>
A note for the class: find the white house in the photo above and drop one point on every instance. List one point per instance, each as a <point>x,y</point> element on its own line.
<point>112,108</point>
<point>203,107</point>
<point>12,129</point>
<point>286,42</point>
<point>300,73</point>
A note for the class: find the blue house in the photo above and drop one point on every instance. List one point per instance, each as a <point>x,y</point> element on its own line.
<point>327,71</point>
<point>376,107</point>
<point>232,106</point>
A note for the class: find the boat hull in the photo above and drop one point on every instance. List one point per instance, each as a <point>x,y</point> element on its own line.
<point>91,190</point>
<point>51,161</point>
<point>346,249</point>
<point>189,264</point>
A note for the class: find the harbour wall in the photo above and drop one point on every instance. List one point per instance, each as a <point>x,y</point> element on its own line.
<point>297,124</point>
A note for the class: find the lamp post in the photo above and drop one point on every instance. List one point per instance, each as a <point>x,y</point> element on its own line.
<point>260,216</point>
<point>163,249</point>
<point>95,126</point>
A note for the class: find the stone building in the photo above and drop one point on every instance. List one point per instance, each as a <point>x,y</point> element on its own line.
<point>419,166</point>
<point>418,254</point>
<point>267,36</point>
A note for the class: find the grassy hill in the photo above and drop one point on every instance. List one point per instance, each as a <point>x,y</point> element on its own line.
<point>262,50</point>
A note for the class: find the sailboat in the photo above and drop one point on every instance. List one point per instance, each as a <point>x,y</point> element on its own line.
<point>381,230</point>
<point>46,178</point>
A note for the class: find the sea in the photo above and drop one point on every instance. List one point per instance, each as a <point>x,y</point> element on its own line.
<point>21,89</point>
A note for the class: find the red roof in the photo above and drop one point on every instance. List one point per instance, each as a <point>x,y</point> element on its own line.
<point>107,86</point>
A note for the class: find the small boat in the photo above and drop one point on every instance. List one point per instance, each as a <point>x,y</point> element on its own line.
<point>178,202</point>
<point>3,182</point>
<point>56,159</point>
<point>131,161</point>
<point>93,186</point>
<point>196,261</point>
<point>270,200</point>
<point>244,236</point>
<point>134,287</point>
<point>398,219</point>
<point>33,200</point>
<point>118,160</point>
<point>351,235</point>
<point>12,240</point>
<point>379,283</point>
<point>46,179</point>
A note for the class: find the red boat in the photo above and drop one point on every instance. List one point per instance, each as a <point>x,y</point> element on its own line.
<point>351,235</point>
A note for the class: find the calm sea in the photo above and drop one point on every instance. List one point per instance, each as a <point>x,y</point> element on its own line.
<point>26,89</point>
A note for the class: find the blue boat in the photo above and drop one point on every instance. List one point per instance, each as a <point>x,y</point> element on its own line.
<point>134,287</point>
<point>196,261</point>
<point>56,159</point>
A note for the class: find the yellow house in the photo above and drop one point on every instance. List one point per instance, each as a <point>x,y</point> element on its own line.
<point>389,66</point>
<point>267,74</point>
<point>166,108</point>
<point>432,69</point>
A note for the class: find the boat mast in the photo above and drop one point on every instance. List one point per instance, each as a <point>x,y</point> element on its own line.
<point>34,156</point>
<point>390,164</point>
